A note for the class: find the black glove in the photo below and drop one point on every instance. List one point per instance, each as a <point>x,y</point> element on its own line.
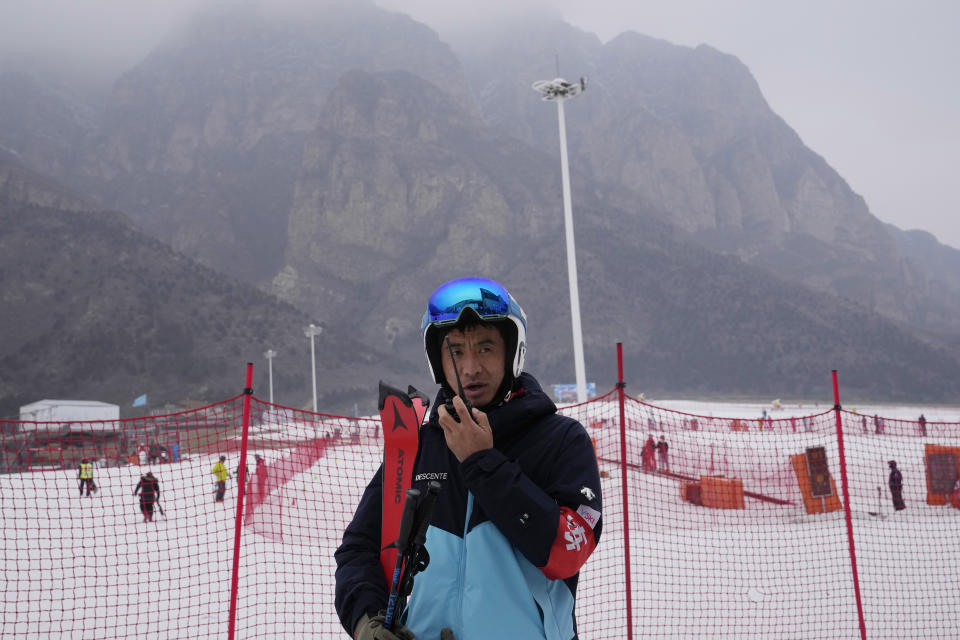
<point>372,629</point>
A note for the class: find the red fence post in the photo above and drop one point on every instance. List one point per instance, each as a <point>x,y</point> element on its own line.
<point>241,479</point>
<point>846,505</point>
<point>621,385</point>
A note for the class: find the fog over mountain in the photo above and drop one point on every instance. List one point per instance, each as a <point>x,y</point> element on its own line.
<point>845,76</point>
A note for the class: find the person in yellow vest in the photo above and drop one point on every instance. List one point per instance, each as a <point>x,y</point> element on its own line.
<point>221,474</point>
<point>85,473</point>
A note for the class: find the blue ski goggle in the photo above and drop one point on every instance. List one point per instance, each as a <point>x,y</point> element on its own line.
<point>487,298</point>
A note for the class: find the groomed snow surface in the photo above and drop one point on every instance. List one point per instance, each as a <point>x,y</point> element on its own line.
<point>78,567</point>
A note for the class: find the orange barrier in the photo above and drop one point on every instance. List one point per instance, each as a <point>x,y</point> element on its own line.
<point>811,503</point>
<point>721,493</point>
<point>938,498</point>
<point>690,492</point>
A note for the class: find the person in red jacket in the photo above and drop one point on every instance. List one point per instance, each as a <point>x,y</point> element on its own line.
<point>149,490</point>
<point>648,455</point>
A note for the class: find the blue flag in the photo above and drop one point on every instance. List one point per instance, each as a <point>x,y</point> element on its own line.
<point>140,401</point>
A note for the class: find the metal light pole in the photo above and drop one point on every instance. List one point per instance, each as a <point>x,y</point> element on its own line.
<point>270,354</point>
<point>559,90</point>
<point>310,332</point>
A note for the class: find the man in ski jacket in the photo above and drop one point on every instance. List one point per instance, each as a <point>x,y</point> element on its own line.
<point>85,474</point>
<point>221,474</point>
<point>149,490</point>
<point>896,486</point>
<point>662,455</point>
<point>518,513</point>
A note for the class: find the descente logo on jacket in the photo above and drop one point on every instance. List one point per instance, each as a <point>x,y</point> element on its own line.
<point>431,476</point>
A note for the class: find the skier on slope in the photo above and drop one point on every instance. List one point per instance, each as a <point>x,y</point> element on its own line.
<point>149,490</point>
<point>662,455</point>
<point>221,474</point>
<point>519,509</point>
<point>896,486</point>
<point>648,455</point>
<point>85,474</point>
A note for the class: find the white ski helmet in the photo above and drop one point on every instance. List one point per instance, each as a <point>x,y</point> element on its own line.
<point>483,298</point>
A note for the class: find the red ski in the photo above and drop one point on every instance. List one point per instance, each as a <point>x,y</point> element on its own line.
<point>401,415</point>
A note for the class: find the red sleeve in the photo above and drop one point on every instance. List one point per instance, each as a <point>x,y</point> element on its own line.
<point>572,546</point>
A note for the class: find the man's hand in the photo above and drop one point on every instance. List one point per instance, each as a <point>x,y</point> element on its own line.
<point>468,436</point>
<point>372,629</point>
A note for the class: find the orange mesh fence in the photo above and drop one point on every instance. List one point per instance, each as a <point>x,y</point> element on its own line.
<point>726,537</point>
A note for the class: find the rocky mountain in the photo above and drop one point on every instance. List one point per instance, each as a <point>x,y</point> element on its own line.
<point>94,308</point>
<point>689,132</point>
<point>341,162</point>
<point>202,141</point>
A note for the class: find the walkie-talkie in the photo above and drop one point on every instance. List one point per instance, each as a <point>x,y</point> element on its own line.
<point>449,403</point>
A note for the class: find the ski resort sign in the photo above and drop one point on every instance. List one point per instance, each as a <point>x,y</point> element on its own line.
<point>820,486</point>
<point>567,393</point>
<point>942,469</point>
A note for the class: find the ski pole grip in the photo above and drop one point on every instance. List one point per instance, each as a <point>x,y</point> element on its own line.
<point>406,521</point>
<point>426,512</point>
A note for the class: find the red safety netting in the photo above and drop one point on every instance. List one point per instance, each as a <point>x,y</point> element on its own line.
<point>714,537</point>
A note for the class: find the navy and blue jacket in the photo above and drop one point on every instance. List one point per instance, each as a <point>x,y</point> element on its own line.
<point>511,528</point>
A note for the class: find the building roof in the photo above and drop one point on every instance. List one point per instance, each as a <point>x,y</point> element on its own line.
<point>72,403</point>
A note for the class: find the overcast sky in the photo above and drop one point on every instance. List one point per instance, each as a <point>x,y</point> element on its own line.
<point>870,85</point>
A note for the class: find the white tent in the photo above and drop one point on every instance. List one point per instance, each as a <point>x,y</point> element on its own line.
<point>76,415</point>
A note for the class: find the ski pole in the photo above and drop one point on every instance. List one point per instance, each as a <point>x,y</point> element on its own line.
<point>417,557</point>
<point>403,537</point>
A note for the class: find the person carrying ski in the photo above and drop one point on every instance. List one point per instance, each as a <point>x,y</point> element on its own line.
<point>221,474</point>
<point>85,474</point>
<point>149,490</point>
<point>519,511</point>
<point>896,486</point>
